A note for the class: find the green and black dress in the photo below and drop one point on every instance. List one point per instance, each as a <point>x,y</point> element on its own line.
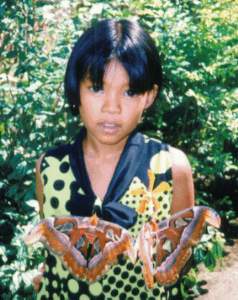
<point>67,191</point>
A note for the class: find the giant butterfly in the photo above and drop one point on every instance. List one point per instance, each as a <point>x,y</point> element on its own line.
<point>89,246</point>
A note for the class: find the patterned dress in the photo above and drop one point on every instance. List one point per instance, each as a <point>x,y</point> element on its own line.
<point>67,191</point>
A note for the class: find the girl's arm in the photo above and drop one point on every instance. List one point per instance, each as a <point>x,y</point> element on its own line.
<point>36,281</point>
<point>183,188</point>
<point>39,186</point>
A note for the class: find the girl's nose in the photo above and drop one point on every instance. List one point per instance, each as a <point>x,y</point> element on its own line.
<point>111,104</point>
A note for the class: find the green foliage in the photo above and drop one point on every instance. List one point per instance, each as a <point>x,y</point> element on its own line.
<point>208,252</point>
<point>197,110</point>
<point>210,248</point>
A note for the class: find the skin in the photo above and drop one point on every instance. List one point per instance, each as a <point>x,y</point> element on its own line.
<point>110,114</point>
<point>113,104</point>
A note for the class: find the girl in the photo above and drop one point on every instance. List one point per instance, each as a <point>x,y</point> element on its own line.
<point>112,77</point>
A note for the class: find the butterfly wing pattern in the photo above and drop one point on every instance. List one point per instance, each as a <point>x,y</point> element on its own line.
<point>171,242</point>
<point>89,246</point>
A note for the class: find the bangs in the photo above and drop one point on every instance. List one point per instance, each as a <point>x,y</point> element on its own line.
<point>133,62</point>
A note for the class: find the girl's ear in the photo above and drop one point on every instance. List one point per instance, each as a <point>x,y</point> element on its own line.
<point>151,96</point>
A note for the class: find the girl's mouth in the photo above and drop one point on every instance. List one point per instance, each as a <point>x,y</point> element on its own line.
<point>109,127</point>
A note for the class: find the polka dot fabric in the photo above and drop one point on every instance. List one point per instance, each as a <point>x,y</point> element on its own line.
<point>124,280</point>
<point>57,178</point>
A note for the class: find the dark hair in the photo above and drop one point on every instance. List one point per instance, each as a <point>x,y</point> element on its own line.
<point>123,40</point>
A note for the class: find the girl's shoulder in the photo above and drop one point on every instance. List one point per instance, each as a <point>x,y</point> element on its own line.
<point>58,152</point>
<point>181,167</point>
<point>178,157</point>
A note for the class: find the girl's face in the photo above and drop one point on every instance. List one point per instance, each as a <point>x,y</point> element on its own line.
<point>111,112</point>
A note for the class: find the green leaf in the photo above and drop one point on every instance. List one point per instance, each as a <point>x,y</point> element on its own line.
<point>210,261</point>
<point>217,250</point>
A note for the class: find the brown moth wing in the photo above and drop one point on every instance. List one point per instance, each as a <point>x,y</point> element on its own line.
<point>75,262</point>
<point>45,232</point>
<point>73,240</point>
<point>170,232</point>
<point>182,237</point>
<point>166,242</point>
<point>150,236</point>
<point>109,256</point>
<point>59,221</point>
<point>169,271</point>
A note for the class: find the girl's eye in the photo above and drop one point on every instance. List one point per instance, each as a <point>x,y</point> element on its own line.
<point>130,93</point>
<point>96,88</point>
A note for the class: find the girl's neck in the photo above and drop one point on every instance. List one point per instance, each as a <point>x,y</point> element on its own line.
<point>94,149</point>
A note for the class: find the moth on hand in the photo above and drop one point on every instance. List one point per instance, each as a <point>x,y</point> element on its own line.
<point>89,246</point>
